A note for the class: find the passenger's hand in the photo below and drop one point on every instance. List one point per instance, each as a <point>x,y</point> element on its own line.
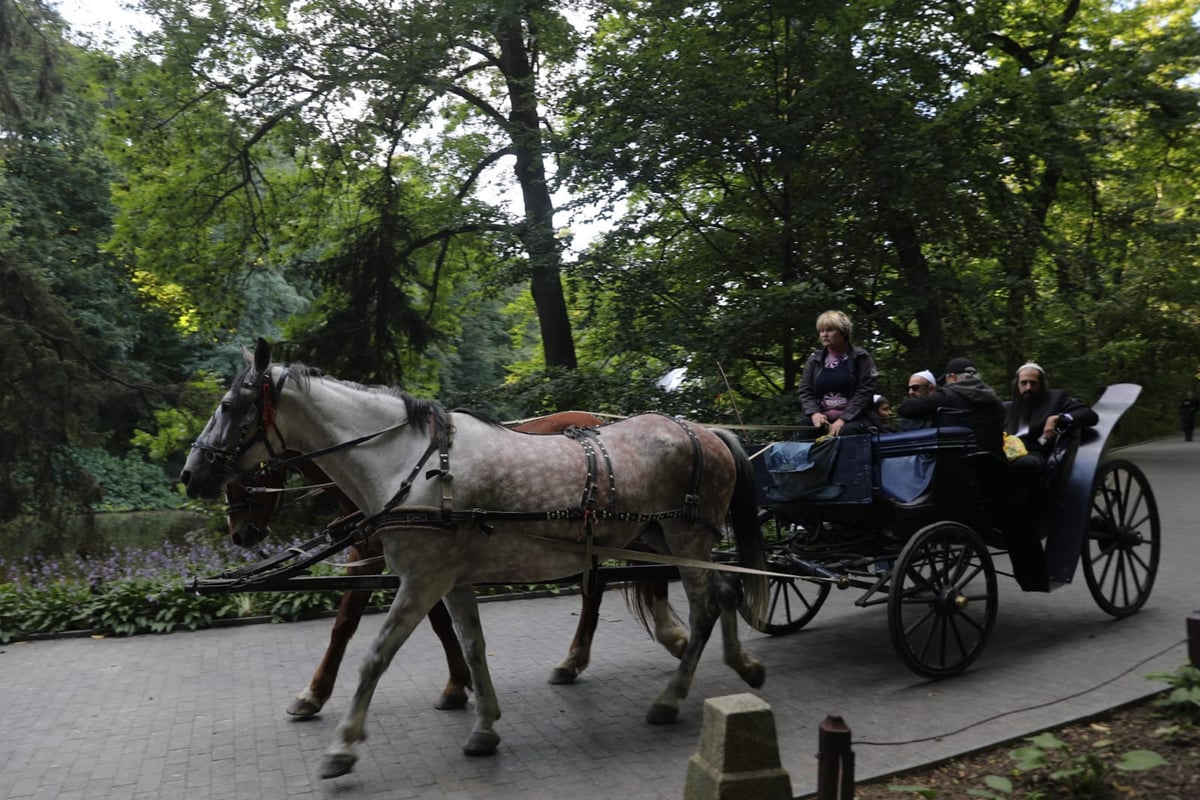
<point>819,420</point>
<point>835,427</point>
<point>1050,429</point>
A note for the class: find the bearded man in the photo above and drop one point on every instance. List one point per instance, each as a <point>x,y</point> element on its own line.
<point>1036,411</point>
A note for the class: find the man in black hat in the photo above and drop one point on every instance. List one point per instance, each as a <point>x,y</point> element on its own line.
<point>974,403</point>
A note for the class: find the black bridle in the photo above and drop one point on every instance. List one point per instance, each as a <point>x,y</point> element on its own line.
<point>265,401</point>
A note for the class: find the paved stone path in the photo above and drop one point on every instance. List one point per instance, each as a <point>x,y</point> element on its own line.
<point>201,715</point>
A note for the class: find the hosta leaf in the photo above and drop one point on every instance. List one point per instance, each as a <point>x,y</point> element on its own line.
<point>1138,760</point>
<point>999,783</point>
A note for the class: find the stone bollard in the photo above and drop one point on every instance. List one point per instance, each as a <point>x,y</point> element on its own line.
<point>739,753</point>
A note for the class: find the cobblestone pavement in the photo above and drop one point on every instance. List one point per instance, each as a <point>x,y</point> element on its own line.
<point>201,715</point>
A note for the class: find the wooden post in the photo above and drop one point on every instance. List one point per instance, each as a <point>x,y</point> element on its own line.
<point>835,761</point>
<point>1193,635</point>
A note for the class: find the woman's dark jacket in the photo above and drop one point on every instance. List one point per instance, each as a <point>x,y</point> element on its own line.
<point>861,400</point>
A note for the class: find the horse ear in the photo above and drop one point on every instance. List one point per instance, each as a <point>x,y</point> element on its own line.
<point>262,355</point>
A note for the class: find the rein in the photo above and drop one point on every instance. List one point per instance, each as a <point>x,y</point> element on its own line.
<point>282,464</point>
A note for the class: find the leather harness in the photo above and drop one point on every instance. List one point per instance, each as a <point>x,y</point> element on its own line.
<point>445,516</point>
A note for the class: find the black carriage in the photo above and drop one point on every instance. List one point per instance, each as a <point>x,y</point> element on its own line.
<point>913,519</point>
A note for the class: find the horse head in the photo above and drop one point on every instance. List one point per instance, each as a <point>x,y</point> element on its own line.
<point>237,430</point>
<point>248,512</point>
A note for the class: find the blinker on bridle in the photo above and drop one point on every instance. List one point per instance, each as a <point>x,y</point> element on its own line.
<point>264,404</point>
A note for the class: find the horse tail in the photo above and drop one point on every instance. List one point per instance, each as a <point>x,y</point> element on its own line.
<point>743,519</point>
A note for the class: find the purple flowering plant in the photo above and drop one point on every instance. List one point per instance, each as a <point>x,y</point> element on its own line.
<point>145,590</point>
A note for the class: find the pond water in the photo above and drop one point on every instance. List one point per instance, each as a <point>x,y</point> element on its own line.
<point>116,531</point>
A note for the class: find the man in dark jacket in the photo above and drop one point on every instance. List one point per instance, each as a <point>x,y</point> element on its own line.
<point>1036,415</point>
<point>974,403</point>
<point>1005,498</point>
<point>1037,411</point>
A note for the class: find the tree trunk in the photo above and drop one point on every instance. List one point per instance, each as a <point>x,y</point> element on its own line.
<point>929,348</point>
<point>541,245</point>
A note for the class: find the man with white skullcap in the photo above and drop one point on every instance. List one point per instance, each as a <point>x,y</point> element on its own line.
<point>1037,410</point>
<point>1037,415</point>
<point>921,383</point>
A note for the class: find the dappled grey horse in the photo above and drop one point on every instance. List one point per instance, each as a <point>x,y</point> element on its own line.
<point>459,500</point>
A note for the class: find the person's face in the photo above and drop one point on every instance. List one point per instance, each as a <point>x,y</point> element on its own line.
<point>1029,383</point>
<point>919,387</point>
<point>885,410</point>
<point>832,337</point>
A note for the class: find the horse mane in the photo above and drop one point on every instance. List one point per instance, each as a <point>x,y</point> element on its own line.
<point>422,413</point>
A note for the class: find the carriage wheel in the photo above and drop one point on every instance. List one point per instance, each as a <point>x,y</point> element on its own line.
<point>791,602</point>
<point>1120,552</point>
<point>942,600</point>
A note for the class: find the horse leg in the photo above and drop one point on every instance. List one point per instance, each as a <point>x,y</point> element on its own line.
<point>310,701</point>
<point>464,609</point>
<point>580,652</point>
<point>411,604</point>
<point>667,630</point>
<point>729,597</point>
<point>651,598</point>
<point>702,616</point>
<point>455,693</point>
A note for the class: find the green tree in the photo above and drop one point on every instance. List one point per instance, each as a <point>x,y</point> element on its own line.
<point>353,146</point>
<point>83,361</point>
<point>1005,179</point>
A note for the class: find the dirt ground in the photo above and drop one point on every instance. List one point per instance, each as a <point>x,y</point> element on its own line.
<point>1137,727</point>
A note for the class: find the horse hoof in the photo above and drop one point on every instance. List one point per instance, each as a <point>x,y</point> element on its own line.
<point>755,675</point>
<point>335,765</point>
<point>560,676</point>
<point>451,701</point>
<point>303,708</point>
<point>481,743</point>
<point>662,714</point>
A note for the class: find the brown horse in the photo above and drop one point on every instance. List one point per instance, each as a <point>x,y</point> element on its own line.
<point>249,515</point>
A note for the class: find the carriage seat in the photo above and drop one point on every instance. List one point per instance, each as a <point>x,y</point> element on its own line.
<point>905,462</point>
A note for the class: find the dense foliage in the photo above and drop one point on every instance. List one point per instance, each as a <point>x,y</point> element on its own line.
<point>400,190</point>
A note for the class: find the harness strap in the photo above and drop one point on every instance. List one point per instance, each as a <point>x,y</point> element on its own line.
<point>287,463</point>
<point>430,517</point>
<point>442,438</point>
<point>407,484</point>
<point>691,502</point>
<point>439,443</point>
<point>585,437</point>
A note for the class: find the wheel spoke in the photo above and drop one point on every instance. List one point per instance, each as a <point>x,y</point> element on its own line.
<point>953,624</point>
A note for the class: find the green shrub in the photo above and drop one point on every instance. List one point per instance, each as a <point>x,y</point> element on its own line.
<point>1182,703</point>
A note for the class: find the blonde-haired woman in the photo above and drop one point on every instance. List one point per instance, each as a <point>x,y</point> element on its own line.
<point>837,388</point>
